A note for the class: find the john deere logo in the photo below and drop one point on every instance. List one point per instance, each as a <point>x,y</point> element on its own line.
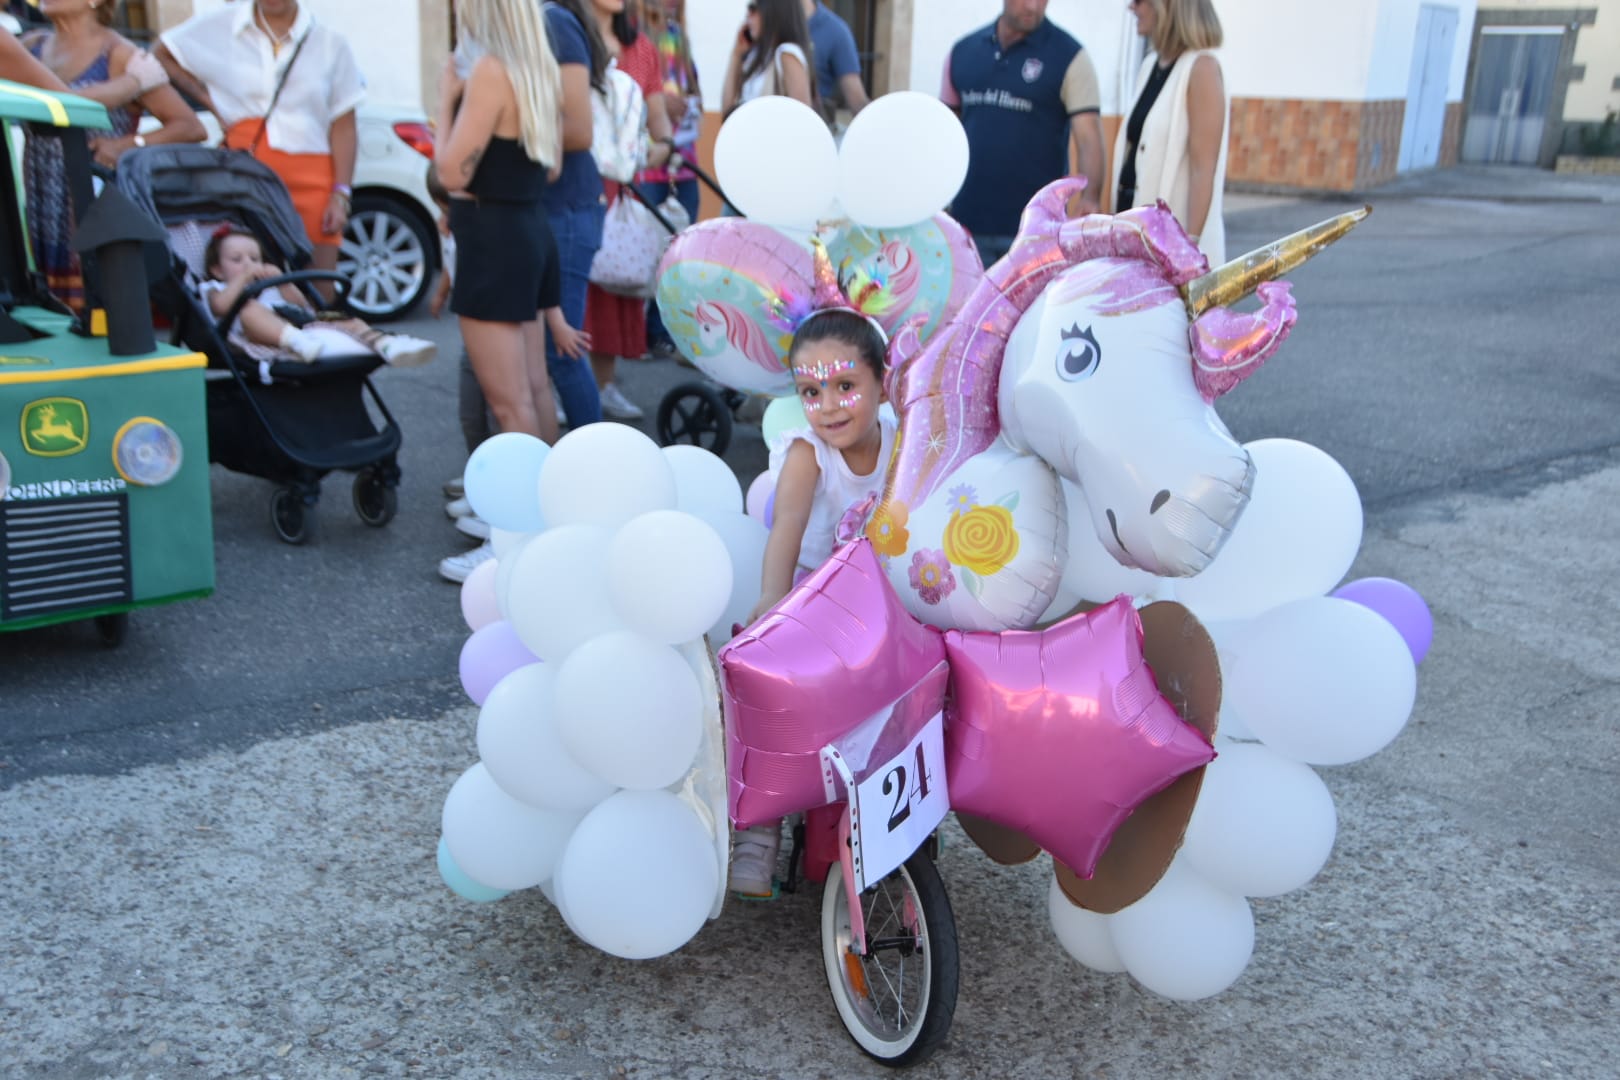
<point>55,427</point>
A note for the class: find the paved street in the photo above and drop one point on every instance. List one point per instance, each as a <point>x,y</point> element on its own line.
<point>218,839</point>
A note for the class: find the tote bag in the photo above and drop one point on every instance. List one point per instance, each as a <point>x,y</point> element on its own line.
<point>633,240</point>
<point>618,126</point>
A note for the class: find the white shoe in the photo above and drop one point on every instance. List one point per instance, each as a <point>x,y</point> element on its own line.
<point>402,350</point>
<point>458,568</point>
<point>454,489</point>
<point>303,345</point>
<point>457,508</point>
<point>753,860</point>
<point>616,406</point>
<point>473,526</point>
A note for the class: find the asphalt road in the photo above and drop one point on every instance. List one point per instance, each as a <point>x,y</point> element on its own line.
<point>194,893</point>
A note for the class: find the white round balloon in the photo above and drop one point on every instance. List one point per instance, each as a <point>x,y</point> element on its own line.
<point>1323,681</point>
<point>638,876</point>
<point>557,591</point>
<point>744,537</point>
<point>776,161</point>
<point>505,541</point>
<point>505,562</point>
<point>1263,824</point>
<point>704,483</point>
<point>1185,939</point>
<point>1083,934</point>
<point>479,607</point>
<point>669,575</point>
<point>519,745</point>
<point>1297,537</point>
<point>630,710</point>
<point>500,480</point>
<point>902,160</point>
<point>498,841</point>
<point>604,474</point>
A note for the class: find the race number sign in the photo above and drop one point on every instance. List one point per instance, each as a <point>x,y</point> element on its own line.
<point>896,801</point>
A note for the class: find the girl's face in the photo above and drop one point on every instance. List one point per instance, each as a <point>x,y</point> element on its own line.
<point>839,391</point>
<point>237,255</point>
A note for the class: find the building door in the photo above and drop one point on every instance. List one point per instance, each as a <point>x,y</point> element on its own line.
<point>1426,91</point>
<point>1512,93</point>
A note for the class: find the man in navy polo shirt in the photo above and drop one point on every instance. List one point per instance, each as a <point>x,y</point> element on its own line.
<point>836,62</point>
<point>1022,87</point>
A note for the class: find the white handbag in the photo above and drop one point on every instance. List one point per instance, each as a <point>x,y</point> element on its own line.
<point>633,241</point>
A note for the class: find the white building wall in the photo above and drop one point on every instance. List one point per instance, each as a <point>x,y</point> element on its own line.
<point>386,36</point>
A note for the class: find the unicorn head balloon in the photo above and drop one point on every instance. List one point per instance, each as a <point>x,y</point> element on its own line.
<point>1095,348</point>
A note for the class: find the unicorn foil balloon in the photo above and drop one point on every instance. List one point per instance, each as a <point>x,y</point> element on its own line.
<point>1094,351</point>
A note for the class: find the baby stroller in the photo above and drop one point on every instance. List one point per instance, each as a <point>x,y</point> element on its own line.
<point>286,421</point>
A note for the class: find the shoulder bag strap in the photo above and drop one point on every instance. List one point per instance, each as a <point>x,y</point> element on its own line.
<point>264,126</point>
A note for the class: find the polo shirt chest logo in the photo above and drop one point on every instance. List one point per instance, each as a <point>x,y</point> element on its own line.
<point>1032,69</point>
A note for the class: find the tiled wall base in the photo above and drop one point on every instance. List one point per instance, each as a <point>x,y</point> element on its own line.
<point>1322,145</point>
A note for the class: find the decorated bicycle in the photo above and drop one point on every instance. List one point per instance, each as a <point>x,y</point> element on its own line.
<point>998,634</point>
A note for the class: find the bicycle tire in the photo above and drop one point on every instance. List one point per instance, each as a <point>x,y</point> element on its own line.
<point>912,1038</point>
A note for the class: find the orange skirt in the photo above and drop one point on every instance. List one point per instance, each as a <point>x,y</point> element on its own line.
<point>309,177</point>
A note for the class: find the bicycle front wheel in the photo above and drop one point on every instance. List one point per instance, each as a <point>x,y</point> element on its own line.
<point>897,1000</point>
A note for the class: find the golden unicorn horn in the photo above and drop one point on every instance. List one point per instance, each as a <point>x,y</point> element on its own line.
<point>1240,277</point>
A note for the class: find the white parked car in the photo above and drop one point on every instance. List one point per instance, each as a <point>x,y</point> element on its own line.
<point>390,253</point>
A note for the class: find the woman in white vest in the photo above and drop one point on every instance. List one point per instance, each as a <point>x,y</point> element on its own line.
<point>1172,145</point>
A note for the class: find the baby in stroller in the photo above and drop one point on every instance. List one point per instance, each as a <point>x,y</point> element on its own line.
<point>234,260</point>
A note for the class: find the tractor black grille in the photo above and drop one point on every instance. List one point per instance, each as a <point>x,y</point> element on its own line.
<point>61,555</point>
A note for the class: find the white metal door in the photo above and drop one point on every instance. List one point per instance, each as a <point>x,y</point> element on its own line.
<point>1425,120</point>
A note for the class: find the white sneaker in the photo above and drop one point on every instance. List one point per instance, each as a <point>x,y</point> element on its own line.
<point>458,568</point>
<point>402,350</point>
<point>302,344</point>
<point>616,406</point>
<point>753,860</point>
<point>473,525</point>
<point>455,489</point>
<point>457,508</point>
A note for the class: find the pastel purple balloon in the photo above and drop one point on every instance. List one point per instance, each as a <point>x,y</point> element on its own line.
<point>758,492</point>
<point>770,508</point>
<point>1400,604</point>
<point>491,654</point>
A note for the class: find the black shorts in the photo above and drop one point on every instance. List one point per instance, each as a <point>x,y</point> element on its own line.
<point>506,261</point>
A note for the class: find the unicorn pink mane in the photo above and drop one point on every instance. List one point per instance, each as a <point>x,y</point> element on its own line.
<point>741,332</point>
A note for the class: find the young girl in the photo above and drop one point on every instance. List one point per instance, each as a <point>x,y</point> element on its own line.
<point>234,260</point>
<point>837,361</point>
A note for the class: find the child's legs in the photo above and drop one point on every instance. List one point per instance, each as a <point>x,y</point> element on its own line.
<point>578,232</point>
<point>261,325</point>
<point>476,422</point>
<point>497,354</point>
<point>534,364</point>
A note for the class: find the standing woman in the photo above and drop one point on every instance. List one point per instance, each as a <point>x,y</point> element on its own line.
<point>573,200</point>
<point>235,59</point>
<point>96,62</point>
<point>618,324</point>
<point>1173,144</point>
<point>771,55</point>
<point>503,126</point>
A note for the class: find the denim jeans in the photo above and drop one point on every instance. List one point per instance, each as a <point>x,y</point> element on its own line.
<point>578,230</point>
<point>686,193</point>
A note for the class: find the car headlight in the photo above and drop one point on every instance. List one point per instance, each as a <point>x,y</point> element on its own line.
<point>146,452</point>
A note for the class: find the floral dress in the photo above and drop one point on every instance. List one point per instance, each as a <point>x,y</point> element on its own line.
<point>50,205</point>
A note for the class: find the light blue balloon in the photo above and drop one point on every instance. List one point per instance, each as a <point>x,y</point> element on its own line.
<point>458,881</point>
<point>502,478</point>
<point>783,414</point>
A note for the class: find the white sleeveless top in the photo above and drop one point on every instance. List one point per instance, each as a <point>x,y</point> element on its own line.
<point>1163,169</point>
<point>837,488</point>
<point>756,86</point>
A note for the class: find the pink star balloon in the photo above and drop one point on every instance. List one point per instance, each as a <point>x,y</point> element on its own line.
<point>1061,733</point>
<point>838,649</point>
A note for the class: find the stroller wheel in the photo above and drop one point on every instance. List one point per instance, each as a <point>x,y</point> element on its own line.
<point>288,516</point>
<point>374,499</point>
<point>696,414</point>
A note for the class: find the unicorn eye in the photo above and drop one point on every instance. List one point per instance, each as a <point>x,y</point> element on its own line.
<point>1078,353</point>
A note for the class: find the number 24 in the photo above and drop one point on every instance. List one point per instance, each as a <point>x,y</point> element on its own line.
<point>895,783</point>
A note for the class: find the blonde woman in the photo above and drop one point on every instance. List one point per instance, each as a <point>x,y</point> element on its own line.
<point>504,125</point>
<point>1172,145</point>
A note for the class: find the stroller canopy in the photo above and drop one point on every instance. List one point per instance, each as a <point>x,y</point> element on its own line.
<point>178,183</point>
